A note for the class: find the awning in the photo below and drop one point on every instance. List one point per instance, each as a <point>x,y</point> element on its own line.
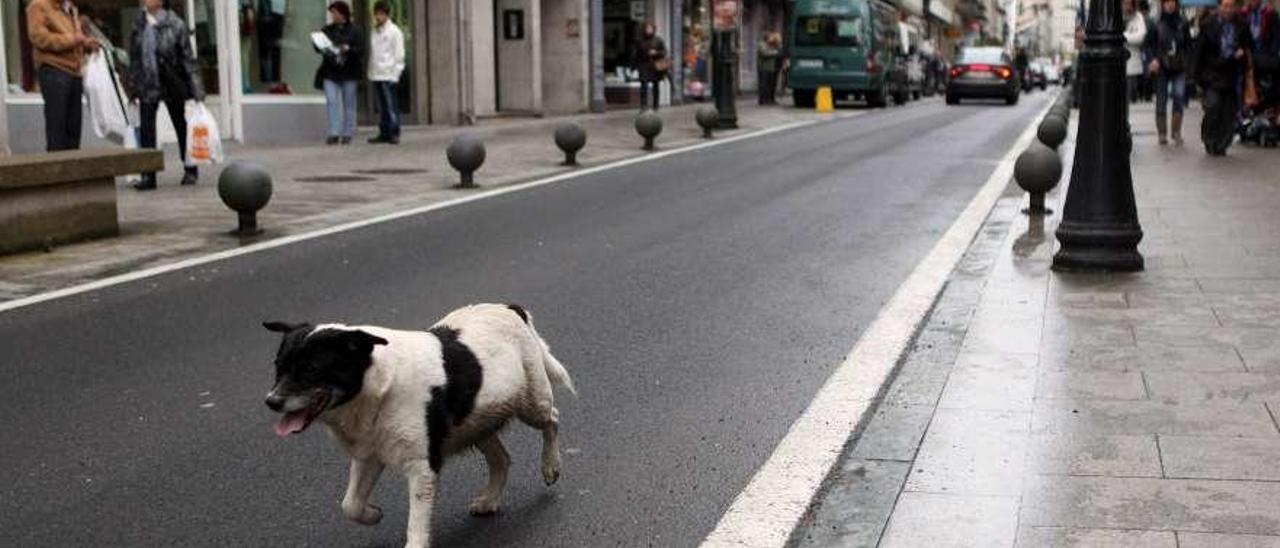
<point>942,12</point>
<point>1198,3</point>
<point>913,7</point>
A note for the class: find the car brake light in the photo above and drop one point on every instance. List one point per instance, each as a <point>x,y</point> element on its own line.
<point>1004,73</point>
<point>956,71</point>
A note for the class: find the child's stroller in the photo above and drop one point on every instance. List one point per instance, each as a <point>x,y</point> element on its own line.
<point>1260,124</point>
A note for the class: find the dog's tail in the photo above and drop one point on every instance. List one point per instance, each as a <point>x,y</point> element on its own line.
<point>556,371</point>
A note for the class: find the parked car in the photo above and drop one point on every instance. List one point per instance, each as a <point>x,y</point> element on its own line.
<point>853,46</point>
<point>1051,73</point>
<point>983,72</point>
<point>1035,77</point>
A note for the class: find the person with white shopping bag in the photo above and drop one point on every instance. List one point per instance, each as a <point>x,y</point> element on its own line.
<point>162,70</point>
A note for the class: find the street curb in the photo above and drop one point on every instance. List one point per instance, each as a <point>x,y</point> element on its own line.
<point>768,510</point>
<point>295,238</point>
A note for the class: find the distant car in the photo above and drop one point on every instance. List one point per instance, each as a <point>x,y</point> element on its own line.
<point>983,73</point>
<point>1035,77</point>
<point>1051,73</point>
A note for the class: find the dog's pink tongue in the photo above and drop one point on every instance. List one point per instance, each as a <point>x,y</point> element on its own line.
<point>291,423</point>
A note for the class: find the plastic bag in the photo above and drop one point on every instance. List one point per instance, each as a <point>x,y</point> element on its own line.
<point>106,108</point>
<point>204,145</point>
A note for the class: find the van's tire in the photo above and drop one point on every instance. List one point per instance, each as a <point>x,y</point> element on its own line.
<point>952,99</point>
<point>1011,100</point>
<point>804,98</point>
<point>878,98</point>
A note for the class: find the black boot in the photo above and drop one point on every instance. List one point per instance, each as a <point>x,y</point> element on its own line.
<point>148,182</point>
<point>190,176</point>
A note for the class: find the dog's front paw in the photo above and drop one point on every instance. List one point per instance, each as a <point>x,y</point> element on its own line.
<point>484,506</point>
<point>551,473</point>
<point>369,515</point>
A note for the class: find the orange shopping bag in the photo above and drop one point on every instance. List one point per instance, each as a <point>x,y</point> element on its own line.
<point>204,145</point>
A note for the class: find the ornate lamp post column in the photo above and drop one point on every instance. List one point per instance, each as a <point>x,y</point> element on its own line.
<point>1100,230</point>
<point>724,56</point>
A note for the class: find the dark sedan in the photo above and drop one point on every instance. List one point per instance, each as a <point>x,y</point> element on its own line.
<point>983,73</point>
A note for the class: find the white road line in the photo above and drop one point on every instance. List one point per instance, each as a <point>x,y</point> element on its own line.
<point>768,510</point>
<point>292,239</point>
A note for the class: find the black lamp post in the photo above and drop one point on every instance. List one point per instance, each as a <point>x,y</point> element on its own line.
<point>724,58</point>
<point>1099,230</point>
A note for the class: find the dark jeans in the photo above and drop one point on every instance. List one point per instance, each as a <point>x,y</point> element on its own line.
<point>389,124</point>
<point>767,87</point>
<point>177,114</point>
<point>645,87</point>
<point>62,112</point>
<point>1170,88</point>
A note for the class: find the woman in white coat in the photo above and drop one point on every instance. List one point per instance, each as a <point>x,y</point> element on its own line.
<point>1135,33</point>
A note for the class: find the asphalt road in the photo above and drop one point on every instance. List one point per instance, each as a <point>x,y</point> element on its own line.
<point>698,300</point>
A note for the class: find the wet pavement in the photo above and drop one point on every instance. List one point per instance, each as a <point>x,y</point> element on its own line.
<point>1040,409</point>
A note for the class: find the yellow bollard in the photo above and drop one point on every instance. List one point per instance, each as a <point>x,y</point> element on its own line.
<point>825,101</point>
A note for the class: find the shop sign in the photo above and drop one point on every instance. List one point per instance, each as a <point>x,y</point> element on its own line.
<point>638,10</point>
<point>726,14</point>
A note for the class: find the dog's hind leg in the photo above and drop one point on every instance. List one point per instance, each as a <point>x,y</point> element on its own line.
<point>547,419</point>
<point>355,505</point>
<point>495,454</point>
<point>423,483</point>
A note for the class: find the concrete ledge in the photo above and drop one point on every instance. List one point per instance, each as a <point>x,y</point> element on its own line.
<point>61,197</point>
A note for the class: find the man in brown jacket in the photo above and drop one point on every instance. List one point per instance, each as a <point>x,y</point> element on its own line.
<point>59,46</point>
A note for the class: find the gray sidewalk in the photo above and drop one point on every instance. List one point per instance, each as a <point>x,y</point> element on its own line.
<point>1040,409</point>
<point>317,187</point>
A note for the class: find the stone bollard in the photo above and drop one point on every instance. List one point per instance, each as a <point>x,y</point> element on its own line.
<point>1037,171</point>
<point>570,137</point>
<point>245,187</point>
<point>466,154</point>
<point>1052,131</point>
<point>708,118</point>
<point>648,125</point>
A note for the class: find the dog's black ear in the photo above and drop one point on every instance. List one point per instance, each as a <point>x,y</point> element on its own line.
<point>280,327</point>
<point>361,342</point>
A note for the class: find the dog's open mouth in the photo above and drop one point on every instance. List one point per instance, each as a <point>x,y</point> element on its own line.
<point>296,421</point>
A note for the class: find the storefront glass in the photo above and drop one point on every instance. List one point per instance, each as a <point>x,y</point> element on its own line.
<point>697,49</point>
<point>622,19</point>
<point>113,21</point>
<point>276,55</point>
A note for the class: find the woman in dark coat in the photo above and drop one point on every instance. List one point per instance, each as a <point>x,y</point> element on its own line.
<point>649,52</point>
<point>340,71</point>
<point>1222,55</point>
<point>162,69</point>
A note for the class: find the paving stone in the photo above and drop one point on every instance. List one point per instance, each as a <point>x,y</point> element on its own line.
<point>1221,458</point>
<point>1133,456</point>
<point>1213,357</point>
<point>1063,537</point>
<point>999,335</point>
<point>927,519</point>
<point>1113,385</point>
<point>1218,540</point>
<point>993,382</point>
<point>1240,286</point>
<point>972,452</point>
<point>855,504</point>
<point>1103,417</point>
<point>1178,335</point>
<point>1154,504</point>
<point>894,432</point>
<point>1181,386</point>
<point>1176,314</point>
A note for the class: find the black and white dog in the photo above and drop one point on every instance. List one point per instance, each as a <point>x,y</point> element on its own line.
<point>409,399</point>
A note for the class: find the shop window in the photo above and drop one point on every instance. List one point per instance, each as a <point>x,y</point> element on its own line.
<point>112,22</point>
<point>275,45</point>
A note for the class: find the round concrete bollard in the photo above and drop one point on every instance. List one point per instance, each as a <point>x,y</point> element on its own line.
<point>1037,171</point>
<point>708,118</point>
<point>466,154</point>
<point>245,187</point>
<point>570,138</point>
<point>648,125</point>
<point>1052,131</point>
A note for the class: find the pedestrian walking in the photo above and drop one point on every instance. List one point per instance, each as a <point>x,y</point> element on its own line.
<point>341,68</point>
<point>59,45</point>
<point>1222,55</point>
<point>768,53</point>
<point>1264,29</point>
<point>1147,86</point>
<point>1135,33</point>
<point>386,64</point>
<point>1167,46</point>
<point>651,62</point>
<point>162,70</point>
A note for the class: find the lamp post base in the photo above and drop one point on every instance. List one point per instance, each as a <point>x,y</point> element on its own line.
<point>1098,248</point>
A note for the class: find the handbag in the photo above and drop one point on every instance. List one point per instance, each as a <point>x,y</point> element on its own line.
<point>662,65</point>
<point>1250,87</point>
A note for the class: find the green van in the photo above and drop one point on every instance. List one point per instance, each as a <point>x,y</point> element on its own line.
<point>853,46</point>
